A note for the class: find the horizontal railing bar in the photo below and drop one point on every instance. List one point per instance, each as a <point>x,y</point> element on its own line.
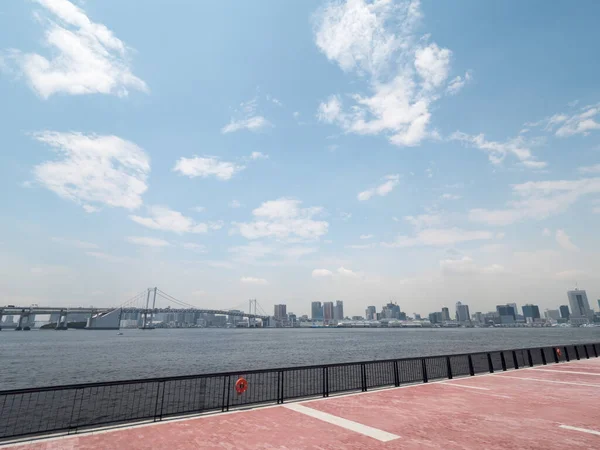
<point>254,371</point>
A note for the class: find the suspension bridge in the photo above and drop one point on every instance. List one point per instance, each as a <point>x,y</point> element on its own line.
<point>139,311</point>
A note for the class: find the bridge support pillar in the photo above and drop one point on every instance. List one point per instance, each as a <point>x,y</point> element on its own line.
<point>62,320</point>
<point>0,320</point>
<point>23,321</point>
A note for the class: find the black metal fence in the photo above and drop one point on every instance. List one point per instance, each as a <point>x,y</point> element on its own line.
<point>68,409</point>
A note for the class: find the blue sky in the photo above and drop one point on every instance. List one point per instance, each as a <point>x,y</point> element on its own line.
<point>423,152</point>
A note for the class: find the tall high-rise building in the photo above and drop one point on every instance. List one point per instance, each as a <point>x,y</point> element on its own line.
<point>462,313</point>
<point>553,314</point>
<point>564,311</point>
<point>532,311</point>
<point>338,310</point>
<point>371,313</point>
<point>516,310</point>
<point>445,314</point>
<point>280,312</point>
<point>316,311</point>
<point>327,311</point>
<point>579,306</point>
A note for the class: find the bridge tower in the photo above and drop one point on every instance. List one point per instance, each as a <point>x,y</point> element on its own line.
<point>145,325</point>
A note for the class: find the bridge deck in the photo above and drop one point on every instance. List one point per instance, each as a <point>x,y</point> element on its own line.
<point>550,407</point>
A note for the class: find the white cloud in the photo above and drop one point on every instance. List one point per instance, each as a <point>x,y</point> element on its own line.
<point>546,232</point>
<point>497,151</point>
<point>165,219</point>
<point>391,181</point>
<point>274,100</point>
<point>573,275</point>
<point>345,216</point>
<point>296,114</point>
<point>466,266</point>
<point>448,196</point>
<point>86,57</point>
<point>566,125</point>
<point>106,257</point>
<point>252,251</point>
<point>457,83</point>
<point>94,170</point>
<point>252,280</point>
<point>198,248</point>
<point>366,236</point>
<point>75,243</point>
<point>207,166</point>
<point>146,241</point>
<point>405,73</point>
<point>424,220</point>
<point>258,155</point>
<point>564,241</point>
<point>538,200</point>
<point>347,272</point>
<point>321,273</point>
<point>590,169</point>
<point>439,237</point>
<point>198,209</point>
<point>284,219</point>
<point>234,204</point>
<point>247,118</point>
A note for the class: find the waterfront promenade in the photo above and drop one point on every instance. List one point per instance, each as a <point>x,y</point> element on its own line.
<point>550,407</point>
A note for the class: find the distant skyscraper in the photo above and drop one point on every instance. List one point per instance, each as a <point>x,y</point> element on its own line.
<point>462,312</point>
<point>338,310</point>
<point>564,311</point>
<point>445,314</point>
<point>280,312</point>
<point>532,311</point>
<point>316,311</point>
<point>327,311</point>
<point>478,316</point>
<point>370,313</point>
<point>515,309</point>
<point>579,306</point>
<point>553,314</point>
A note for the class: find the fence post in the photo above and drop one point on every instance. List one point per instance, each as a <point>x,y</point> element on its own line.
<point>363,372</point>
<point>73,411</point>
<point>157,395</point>
<point>471,368</point>
<point>279,387</point>
<point>576,352</point>
<point>424,367</point>
<point>555,351</point>
<point>503,361</point>
<point>490,364</point>
<point>530,358</point>
<point>544,362</point>
<point>162,401</point>
<point>327,381</point>
<point>595,351</point>
<point>324,376</point>
<point>515,361</point>
<point>587,354</point>
<point>567,354</point>
<point>396,374</point>
<point>449,367</point>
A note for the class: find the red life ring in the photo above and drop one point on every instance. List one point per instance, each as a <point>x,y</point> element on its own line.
<point>241,385</point>
<point>558,352</point>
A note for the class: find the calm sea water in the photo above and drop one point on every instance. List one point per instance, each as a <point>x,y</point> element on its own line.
<point>42,358</point>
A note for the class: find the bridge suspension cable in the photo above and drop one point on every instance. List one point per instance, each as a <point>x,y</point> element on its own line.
<point>169,297</point>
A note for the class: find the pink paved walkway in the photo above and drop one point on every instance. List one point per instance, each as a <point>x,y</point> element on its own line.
<point>548,407</point>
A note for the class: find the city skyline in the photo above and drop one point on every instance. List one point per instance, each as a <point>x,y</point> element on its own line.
<point>422,153</point>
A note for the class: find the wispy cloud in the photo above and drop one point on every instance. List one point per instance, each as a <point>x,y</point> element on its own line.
<point>75,243</point>
<point>390,182</point>
<point>147,241</point>
<point>207,166</point>
<point>569,124</point>
<point>439,237</point>
<point>518,147</point>
<point>258,155</point>
<point>457,83</point>
<point>253,280</point>
<point>564,240</point>
<point>165,219</point>
<point>94,170</point>
<point>595,169</point>
<point>246,117</point>
<point>321,273</point>
<point>87,58</point>
<point>538,200</point>
<point>466,266</point>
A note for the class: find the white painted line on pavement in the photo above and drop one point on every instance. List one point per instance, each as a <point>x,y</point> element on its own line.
<point>568,371</point>
<point>366,430</point>
<point>583,430</point>
<point>548,381</point>
<point>466,386</point>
